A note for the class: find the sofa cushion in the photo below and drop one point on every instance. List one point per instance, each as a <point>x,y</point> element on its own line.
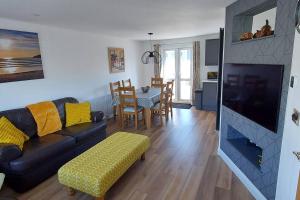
<point>9,152</point>
<point>60,105</point>
<point>22,119</point>
<point>97,116</point>
<point>46,117</point>
<point>9,134</point>
<point>40,149</point>
<point>83,131</point>
<point>77,113</point>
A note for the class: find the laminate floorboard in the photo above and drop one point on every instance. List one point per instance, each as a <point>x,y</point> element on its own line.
<point>181,164</point>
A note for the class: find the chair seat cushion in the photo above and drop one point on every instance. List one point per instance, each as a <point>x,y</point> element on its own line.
<point>84,131</point>
<point>156,106</point>
<point>40,149</point>
<point>131,109</point>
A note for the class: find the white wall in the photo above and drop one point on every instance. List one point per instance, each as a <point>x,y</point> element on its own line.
<point>148,70</point>
<point>260,20</point>
<point>289,165</point>
<point>75,64</point>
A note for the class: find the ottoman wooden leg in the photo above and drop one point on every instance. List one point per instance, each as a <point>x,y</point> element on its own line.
<point>71,191</point>
<point>99,198</point>
<point>143,156</point>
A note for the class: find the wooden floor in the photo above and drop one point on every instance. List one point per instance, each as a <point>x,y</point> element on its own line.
<point>182,163</point>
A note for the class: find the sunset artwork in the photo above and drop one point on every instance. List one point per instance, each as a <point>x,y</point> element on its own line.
<point>20,56</point>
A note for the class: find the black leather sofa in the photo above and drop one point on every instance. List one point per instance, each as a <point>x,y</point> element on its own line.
<point>43,156</point>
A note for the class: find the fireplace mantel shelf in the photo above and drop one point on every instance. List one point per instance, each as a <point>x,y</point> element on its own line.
<point>253,40</point>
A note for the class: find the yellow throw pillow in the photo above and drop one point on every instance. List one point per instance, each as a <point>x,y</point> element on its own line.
<point>46,117</point>
<point>9,134</point>
<point>77,113</point>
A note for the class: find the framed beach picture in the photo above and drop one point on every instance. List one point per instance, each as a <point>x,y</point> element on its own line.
<point>20,56</point>
<point>116,59</point>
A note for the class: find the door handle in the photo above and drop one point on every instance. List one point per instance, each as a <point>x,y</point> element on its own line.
<point>297,154</point>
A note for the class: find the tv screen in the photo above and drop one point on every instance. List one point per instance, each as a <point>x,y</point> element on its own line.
<point>254,91</point>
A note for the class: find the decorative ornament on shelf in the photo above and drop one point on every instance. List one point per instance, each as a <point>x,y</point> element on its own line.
<point>152,54</point>
<point>246,36</point>
<point>258,34</point>
<point>265,31</point>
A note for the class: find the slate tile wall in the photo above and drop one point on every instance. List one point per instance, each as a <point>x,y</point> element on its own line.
<point>273,50</point>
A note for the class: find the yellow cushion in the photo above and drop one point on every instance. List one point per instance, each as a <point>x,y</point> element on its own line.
<point>9,134</point>
<point>98,168</point>
<point>77,113</point>
<point>46,117</point>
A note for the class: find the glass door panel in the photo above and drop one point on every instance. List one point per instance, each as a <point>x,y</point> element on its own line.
<point>177,65</point>
<point>168,71</point>
<point>185,90</point>
<point>185,66</point>
<point>185,63</point>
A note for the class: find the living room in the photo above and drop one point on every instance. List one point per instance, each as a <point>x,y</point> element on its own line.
<point>149,100</point>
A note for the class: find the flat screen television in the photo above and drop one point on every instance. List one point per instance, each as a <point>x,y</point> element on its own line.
<point>254,91</point>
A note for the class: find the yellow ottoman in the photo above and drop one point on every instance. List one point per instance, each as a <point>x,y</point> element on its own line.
<point>97,169</point>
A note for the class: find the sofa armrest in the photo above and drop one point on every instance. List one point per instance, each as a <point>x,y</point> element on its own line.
<point>9,152</point>
<point>97,116</point>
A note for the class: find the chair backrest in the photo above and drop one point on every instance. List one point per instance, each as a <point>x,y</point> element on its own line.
<point>170,88</point>
<point>114,88</point>
<point>126,83</point>
<point>170,85</point>
<point>127,97</point>
<point>156,82</point>
<point>163,96</point>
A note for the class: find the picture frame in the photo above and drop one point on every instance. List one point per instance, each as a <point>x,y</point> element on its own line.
<point>116,60</point>
<point>20,56</point>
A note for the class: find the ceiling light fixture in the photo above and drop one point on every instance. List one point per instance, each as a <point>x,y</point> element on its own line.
<point>152,54</point>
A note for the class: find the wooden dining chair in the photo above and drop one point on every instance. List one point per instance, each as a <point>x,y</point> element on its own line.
<point>114,90</point>
<point>169,91</point>
<point>126,83</point>
<point>156,82</point>
<point>161,108</point>
<point>129,106</point>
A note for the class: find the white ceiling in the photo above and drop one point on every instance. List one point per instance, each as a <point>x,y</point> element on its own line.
<point>123,18</point>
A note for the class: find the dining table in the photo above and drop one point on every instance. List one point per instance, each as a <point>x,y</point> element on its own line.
<point>146,100</point>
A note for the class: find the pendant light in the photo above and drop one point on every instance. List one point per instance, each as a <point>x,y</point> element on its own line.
<point>152,54</point>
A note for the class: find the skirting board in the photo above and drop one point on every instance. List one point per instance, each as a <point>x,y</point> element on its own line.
<point>243,178</point>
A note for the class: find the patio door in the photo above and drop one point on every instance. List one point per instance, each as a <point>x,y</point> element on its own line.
<point>177,66</point>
